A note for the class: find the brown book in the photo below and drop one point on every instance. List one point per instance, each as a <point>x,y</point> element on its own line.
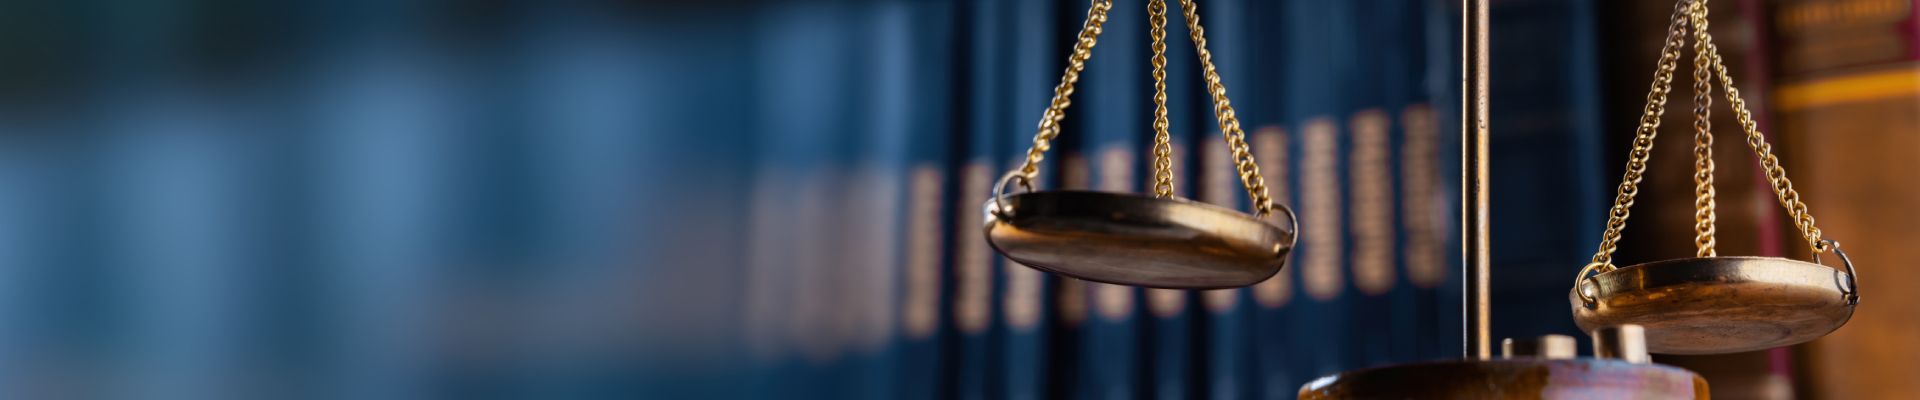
<point>1848,126</point>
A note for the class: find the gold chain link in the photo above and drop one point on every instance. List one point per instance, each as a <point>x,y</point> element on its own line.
<point>1707,64</point>
<point>1050,121</point>
<point>1163,164</point>
<point>1162,140</point>
<point>1776,175</point>
<point>1702,134</point>
<point>1643,138</point>
<point>1223,112</point>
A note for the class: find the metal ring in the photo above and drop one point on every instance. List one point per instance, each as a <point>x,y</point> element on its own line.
<point>1000,190</point>
<point>1587,301</point>
<point>1850,289</point>
<point>1294,220</point>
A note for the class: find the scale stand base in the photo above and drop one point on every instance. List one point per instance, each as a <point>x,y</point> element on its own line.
<point>1517,378</point>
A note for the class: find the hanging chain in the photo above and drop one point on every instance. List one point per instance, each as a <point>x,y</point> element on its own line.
<point>1702,134</point>
<point>1050,121</point>
<point>1708,63</point>
<point>1776,175</point>
<point>1643,138</point>
<point>1162,140</point>
<point>1223,112</point>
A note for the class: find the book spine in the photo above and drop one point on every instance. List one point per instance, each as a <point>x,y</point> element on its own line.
<point>1316,101</point>
<point>1550,123</point>
<point>1227,347</point>
<point>975,264</point>
<point>1034,64</point>
<point>1110,359</point>
<point>1069,295</point>
<point>388,108</point>
<point>1844,117</point>
<point>929,213</point>
<point>1374,256</point>
<point>1273,337</point>
<point>805,153</point>
<point>1171,327</point>
<point>178,163</point>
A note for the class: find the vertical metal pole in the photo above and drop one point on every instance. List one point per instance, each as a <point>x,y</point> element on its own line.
<point>1473,149</point>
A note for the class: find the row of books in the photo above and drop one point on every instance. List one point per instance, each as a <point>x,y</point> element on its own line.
<point>777,202</point>
<point>1348,109</point>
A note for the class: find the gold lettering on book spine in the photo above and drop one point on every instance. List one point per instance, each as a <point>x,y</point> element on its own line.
<point>1372,180</point>
<point>1320,209</point>
<point>1425,223</point>
<point>973,261</point>
<point>1022,301</point>
<point>923,252</point>
<point>1114,302</point>
<point>1270,147</point>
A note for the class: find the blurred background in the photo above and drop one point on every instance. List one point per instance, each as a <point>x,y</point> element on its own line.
<point>756,199</point>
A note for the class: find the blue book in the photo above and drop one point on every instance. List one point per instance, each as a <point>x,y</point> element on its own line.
<point>1115,99</point>
<point>181,230</point>
<point>974,263</point>
<point>1442,39</point>
<point>1034,62</point>
<point>1379,90</point>
<point>388,147</point>
<point>1069,295</point>
<point>1422,210</point>
<point>31,188</point>
<point>1317,104</point>
<point>1172,353</point>
<point>1257,328</point>
<point>1548,121</point>
<point>875,206</point>
<point>801,155</point>
<point>922,93</point>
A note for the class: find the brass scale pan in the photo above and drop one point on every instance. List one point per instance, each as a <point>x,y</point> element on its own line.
<point>1715,305</point>
<point>1137,240</point>
<point>1709,304</point>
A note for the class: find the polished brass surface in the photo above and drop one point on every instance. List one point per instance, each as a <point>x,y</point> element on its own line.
<point>1621,342</point>
<point>1138,240</point>
<point>1718,305</point>
<point>1555,347</point>
<point>1521,378</point>
<point>1476,110</point>
<point>1159,241</point>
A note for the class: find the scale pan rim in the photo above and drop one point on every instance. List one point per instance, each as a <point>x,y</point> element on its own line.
<point>1718,305</point>
<point>1114,238</point>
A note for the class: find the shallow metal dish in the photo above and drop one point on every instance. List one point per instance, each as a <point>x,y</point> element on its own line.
<point>1716,305</point>
<point>1138,240</point>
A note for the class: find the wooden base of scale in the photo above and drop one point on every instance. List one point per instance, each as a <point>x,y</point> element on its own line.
<point>1519,378</point>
